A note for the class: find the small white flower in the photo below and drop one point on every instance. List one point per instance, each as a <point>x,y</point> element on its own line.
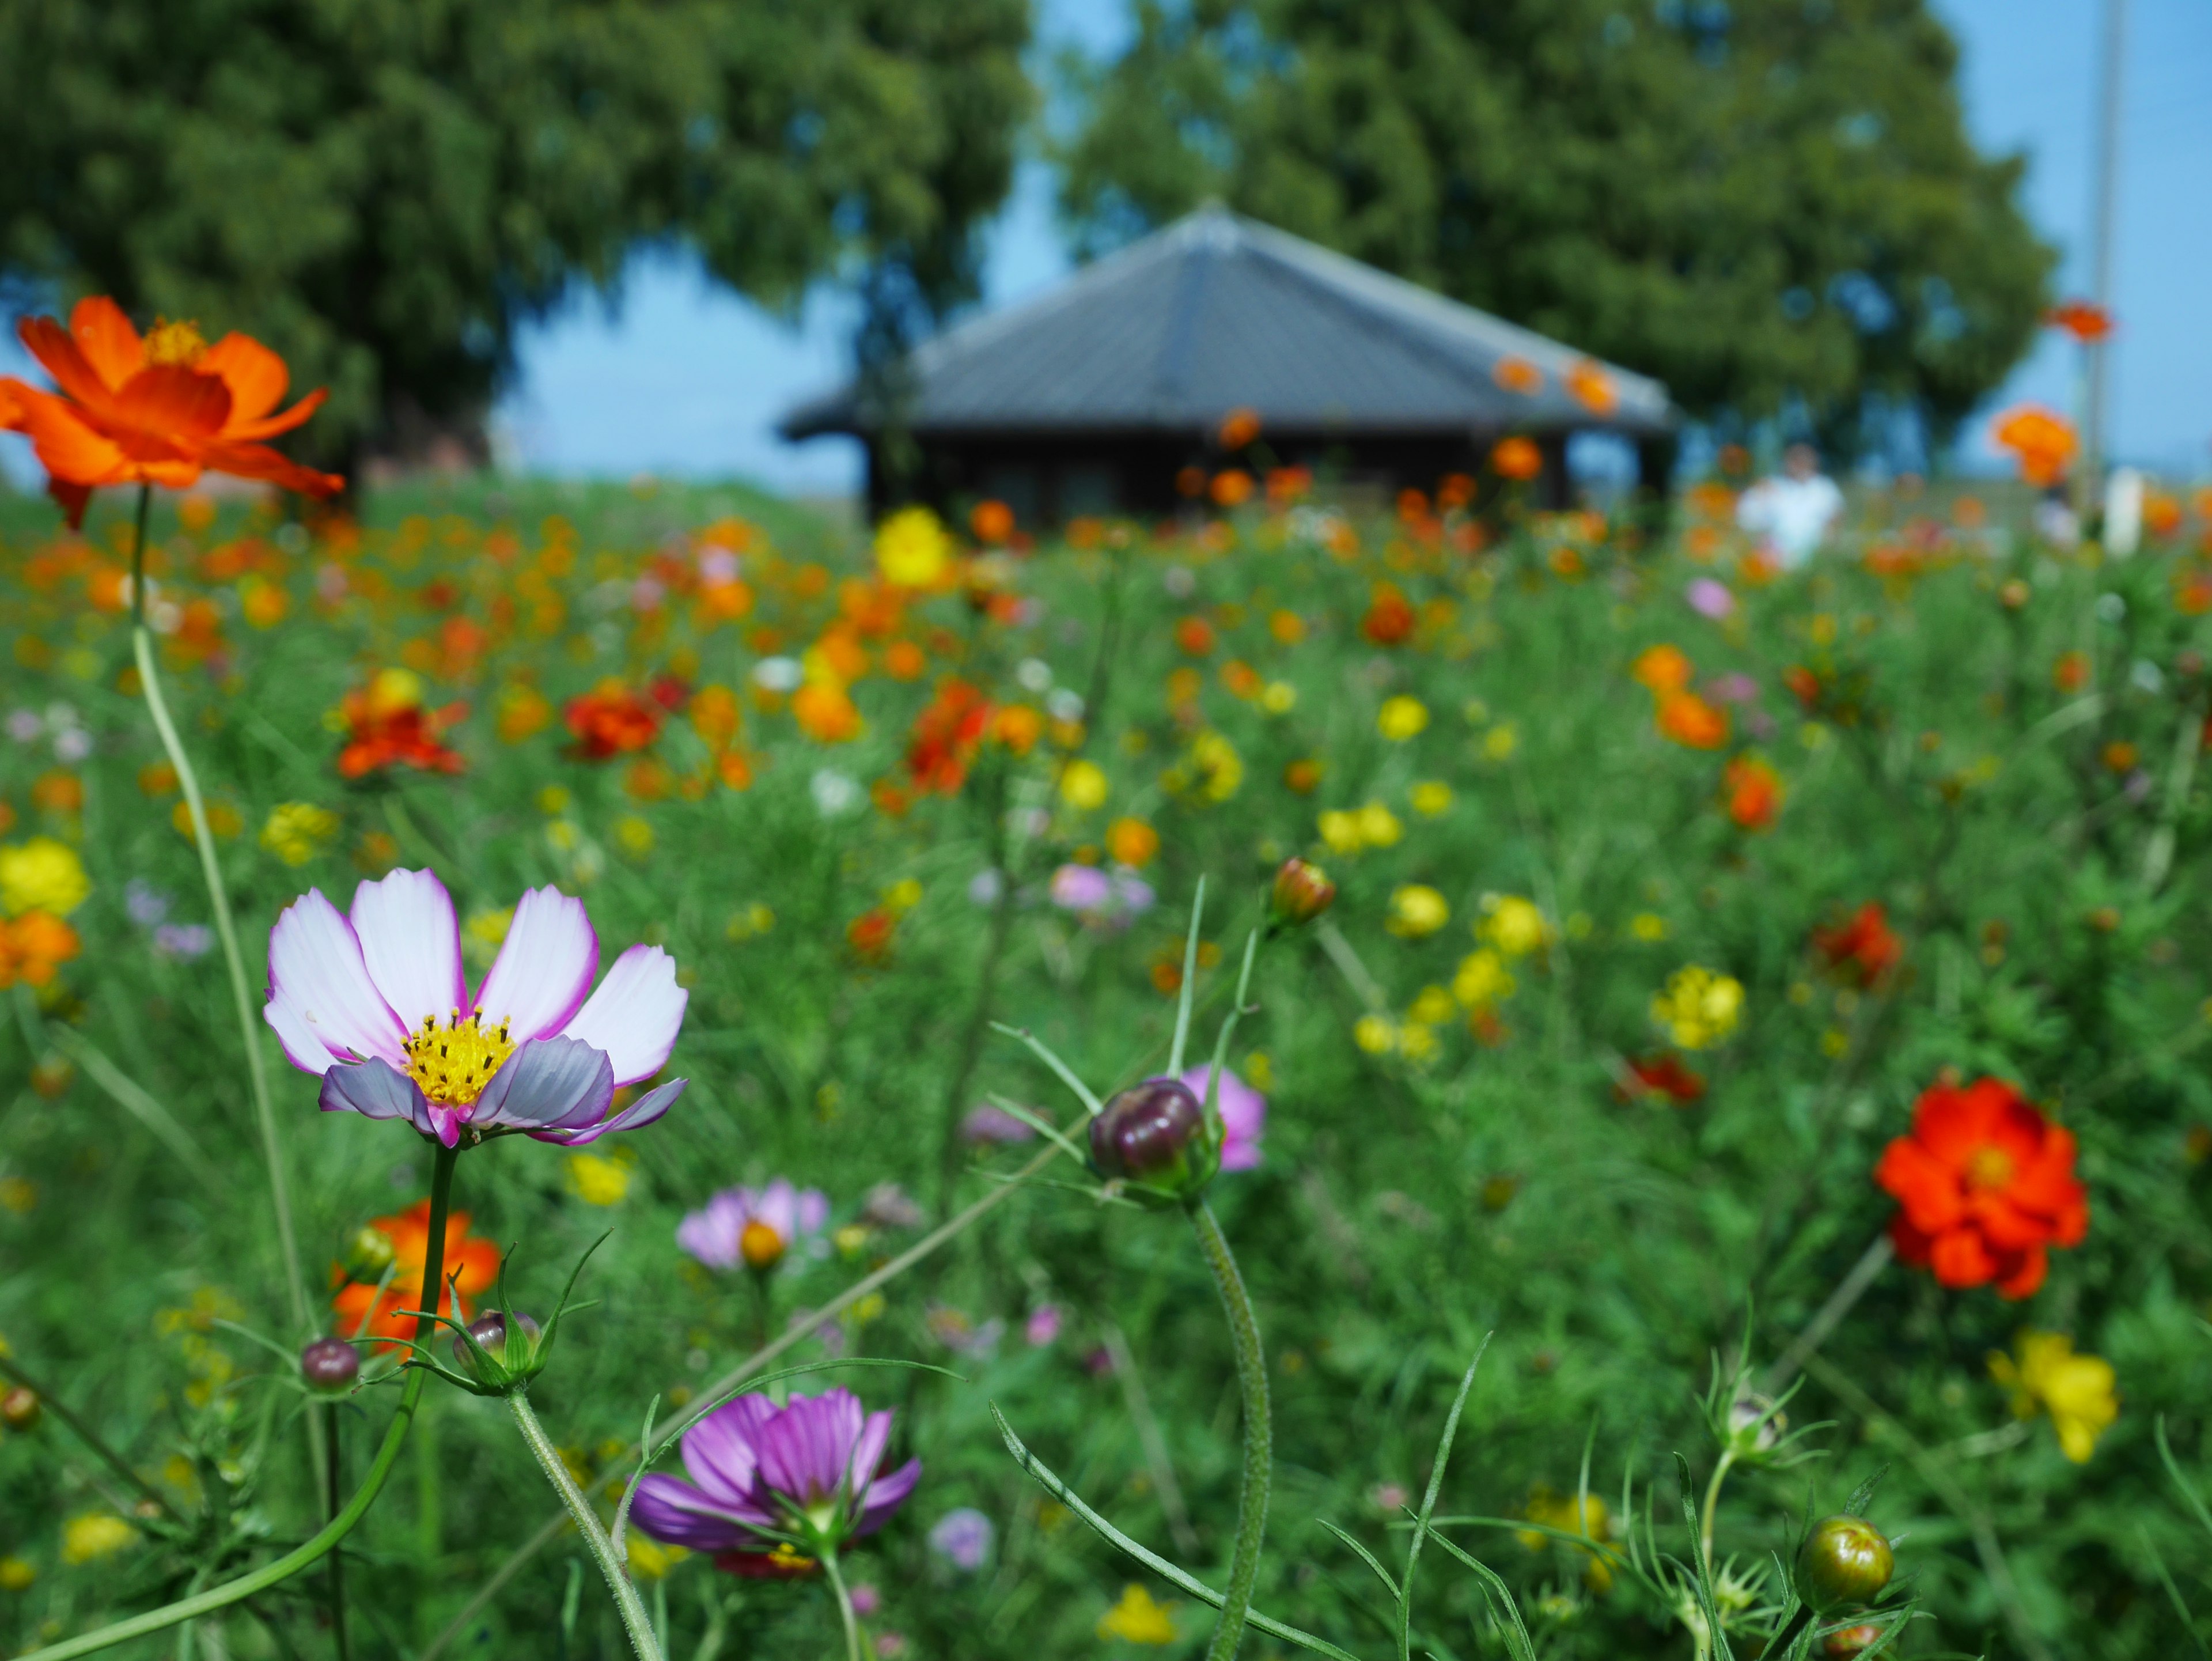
<point>1034,673</point>
<point>778,674</point>
<point>836,794</point>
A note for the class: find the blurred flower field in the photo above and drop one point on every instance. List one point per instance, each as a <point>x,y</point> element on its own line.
<point>1804,968</point>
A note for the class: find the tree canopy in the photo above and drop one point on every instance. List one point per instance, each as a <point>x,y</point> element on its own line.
<point>1771,205</point>
<point>383,190</point>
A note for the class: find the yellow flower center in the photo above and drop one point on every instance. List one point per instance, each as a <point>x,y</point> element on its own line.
<point>454,1062</point>
<point>760,1244</point>
<point>174,343</point>
<point>1988,1167</point>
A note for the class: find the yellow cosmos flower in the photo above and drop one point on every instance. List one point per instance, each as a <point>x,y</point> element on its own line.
<point>1400,718</point>
<point>94,1535</point>
<point>912,548</point>
<point>1379,826</point>
<point>1561,1512</point>
<point>1500,741</point>
<point>1279,697</point>
<point>1341,831</point>
<point>1083,785</point>
<point>1431,797</point>
<point>1699,1007</point>
<point>1417,910</point>
<point>596,1179</point>
<point>296,829</point>
<point>1137,1618</point>
<point>1376,1034</point>
<point>1514,925</point>
<point>16,1575</point>
<point>41,875</point>
<point>1648,925</point>
<point>2043,1373</point>
<point>1211,768</point>
<point>635,835</point>
<point>1483,980</point>
<point>1433,1007</point>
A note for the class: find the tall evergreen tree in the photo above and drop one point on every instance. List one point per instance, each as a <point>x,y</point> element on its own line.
<point>1772,205</point>
<point>383,190</point>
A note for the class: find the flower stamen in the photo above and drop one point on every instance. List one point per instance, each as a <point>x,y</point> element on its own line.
<point>174,343</point>
<point>452,1063</point>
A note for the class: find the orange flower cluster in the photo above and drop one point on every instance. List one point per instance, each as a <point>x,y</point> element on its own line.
<point>161,408</point>
<point>32,947</point>
<point>471,1267</point>
<point>1390,616</point>
<point>946,735</point>
<point>2085,319</point>
<point>2042,441</point>
<point>1664,1075</point>
<point>1863,948</point>
<point>387,725</point>
<point>614,718</point>
<point>1680,713</point>
<point>1755,793</point>
<point>1985,1186</point>
<point>718,721</point>
<point>1516,458</point>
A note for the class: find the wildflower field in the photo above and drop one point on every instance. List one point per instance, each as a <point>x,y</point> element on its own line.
<point>1759,1015</point>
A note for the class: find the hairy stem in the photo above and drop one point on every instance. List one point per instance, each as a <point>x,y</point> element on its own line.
<point>305,1556</point>
<point>1259,1430</point>
<point>249,1027</point>
<point>853,1651</point>
<point>636,1622</point>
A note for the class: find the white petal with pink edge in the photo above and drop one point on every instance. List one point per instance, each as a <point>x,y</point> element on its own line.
<point>411,943</point>
<point>635,1014</point>
<point>538,981</point>
<point>317,973</point>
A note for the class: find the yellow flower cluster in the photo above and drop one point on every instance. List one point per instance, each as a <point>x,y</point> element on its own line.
<point>1138,1619</point>
<point>912,548</point>
<point>296,831</point>
<point>95,1535</point>
<point>1401,718</point>
<point>1483,980</point>
<point>2045,1375</point>
<point>1514,925</point>
<point>1699,1007</point>
<point>1083,785</point>
<point>1211,770</point>
<point>41,875</point>
<point>1417,910</point>
<point>1348,831</point>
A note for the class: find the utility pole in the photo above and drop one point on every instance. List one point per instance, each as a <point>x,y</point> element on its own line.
<point>2103,213</point>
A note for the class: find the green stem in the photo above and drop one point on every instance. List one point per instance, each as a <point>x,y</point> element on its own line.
<point>338,1558</point>
<point>1252,1380</point>
<point>853,1651</point>
<point>249,1027</point>
<point>636,1622</point>
<point>306,1557</point>
<point>1712,1504</point>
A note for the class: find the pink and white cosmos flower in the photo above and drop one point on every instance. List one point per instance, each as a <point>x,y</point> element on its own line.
<point>376,1004</point>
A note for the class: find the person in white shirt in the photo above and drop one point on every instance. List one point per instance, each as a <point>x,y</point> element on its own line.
<point>1792,512</point>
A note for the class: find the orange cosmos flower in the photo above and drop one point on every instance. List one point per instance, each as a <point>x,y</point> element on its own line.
<point>1593,387</point>
<point>1986,1184</point>
<point>1863,948</point>
<point>1231,487</point>
<point>2085,319</point>
<point>32,947</point>
<point>1754,793</point>
<point>158,410</point>
<point>1195,635</point>
<point>1691,721</point>
<point>2042,441</point>
<point>870,934</point>
<point>1662,668</point>
<point>1389,619</point>
<point>991,522</point>
<point>387,725</point>
<point>1517,375</point>
<point>471,1267</point>
<point>1239,427</point>
<point>612,719</point>
<point>946,735</point>
<point>1517,458</point>
<point>825,712</point>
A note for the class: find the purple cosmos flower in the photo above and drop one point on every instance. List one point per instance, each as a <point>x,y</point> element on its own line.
<point>1710,598</point>
<point>1243,1116</point>
<point>773,1487</point>
<point>186,941</point>
<point>1042,1326</point>
<point>753,1226</point>
<point>964,1538</point>
<point>146,903</point>
<point>376,1003</point>
<point>1098,896</point>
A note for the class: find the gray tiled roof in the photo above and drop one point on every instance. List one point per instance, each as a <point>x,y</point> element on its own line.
<point>1217,312</point>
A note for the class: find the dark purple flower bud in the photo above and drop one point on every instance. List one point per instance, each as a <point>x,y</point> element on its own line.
<point>1845,1560</point>
<point>20,1409</point>
<point>1147,1132</point>
<point>1303,891</point>
<point>490,1330</point>
<point>330,1365</point>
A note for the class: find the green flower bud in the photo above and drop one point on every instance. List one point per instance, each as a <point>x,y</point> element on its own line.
<point>1845,1560</point>
<point>368,1254</point>
<point>1303,891</point>
<point>20,1409</point>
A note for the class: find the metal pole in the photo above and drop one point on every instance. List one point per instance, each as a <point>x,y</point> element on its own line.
<point>2102,214</point>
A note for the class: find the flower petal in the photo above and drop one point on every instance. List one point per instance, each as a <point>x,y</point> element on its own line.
<point>257,377</point>
<point>538,981</point>
<point>411,945</point>
<point>675,1513</point>
<point>315,965</point>
<point>372,1088</point>
<point>635,1014</point>
<point>885,1495</point>
<point>718,1452</point>
<point>303,1048</point>
<point>110,344</point>
<point>643,1111</point>
<point>547,1084</point>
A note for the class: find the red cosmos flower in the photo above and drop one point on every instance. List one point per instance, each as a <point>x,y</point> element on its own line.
<point>612,720</point>
<point>1863,948</point>
<point>948,731</point>
<point>2085,319</point>
<point>1389,618</point>
<point>1804,685</point>
<point>1755,793</point>
<point>387,725</point>
<point>1984,1184</point>
<point>1662,1075</point>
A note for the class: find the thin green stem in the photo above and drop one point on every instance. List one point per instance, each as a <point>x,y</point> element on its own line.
<point>635,1620</point>
<point>249,1027</point>
<point>853,1651</point>
<point>337,1588</point>
<point>1252,1379</point>
<point>305,1556</point>
<point>1712,1504</point>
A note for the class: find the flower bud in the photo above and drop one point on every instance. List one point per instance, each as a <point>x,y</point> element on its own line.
<point>1147,1132</point>
<point>330,1365</point>
<point>492,1333</point>
<point>1754,1423</point>
<point>1303,891</point>
<point>1852,1640</point>
<point>20,1409</point>
<point>760,1244</point>
<point>1844,1560</point>
<point>368,1254</point>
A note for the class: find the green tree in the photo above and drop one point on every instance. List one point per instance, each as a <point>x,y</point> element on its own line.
<point>383,190</point>
<point>1772,205</point>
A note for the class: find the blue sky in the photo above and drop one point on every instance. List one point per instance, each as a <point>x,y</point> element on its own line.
<point>686,378</point>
